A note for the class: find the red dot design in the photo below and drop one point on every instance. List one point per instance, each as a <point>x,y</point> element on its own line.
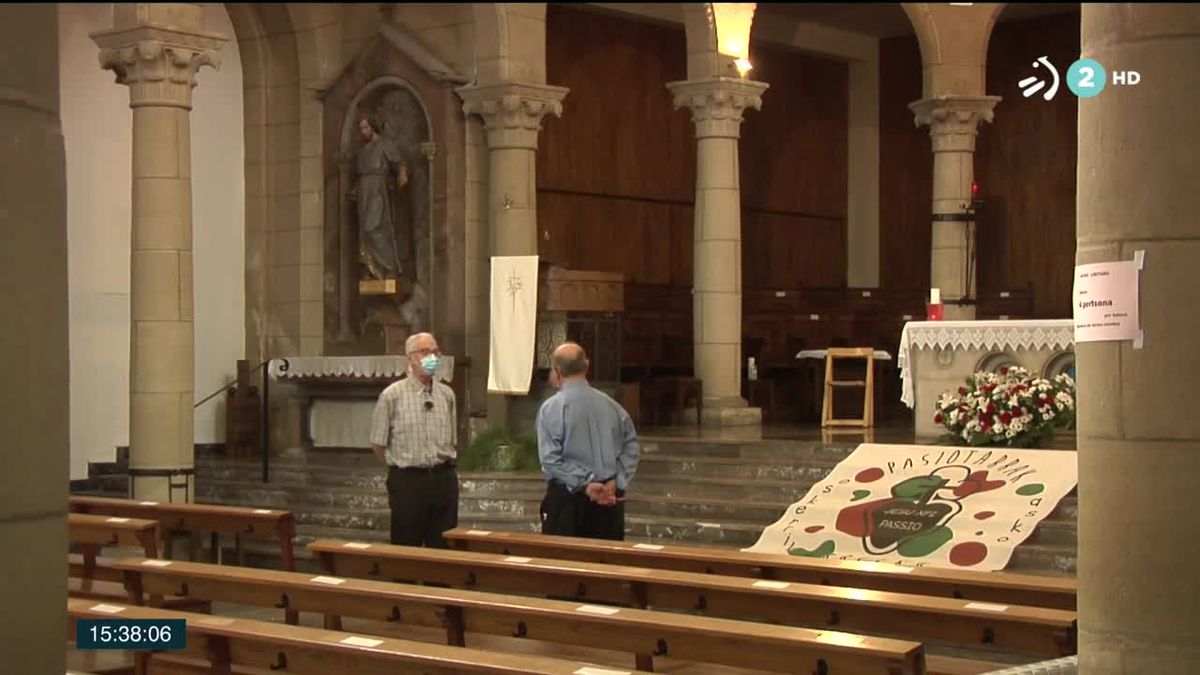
<point>869,475</point>
<point>968,553</point>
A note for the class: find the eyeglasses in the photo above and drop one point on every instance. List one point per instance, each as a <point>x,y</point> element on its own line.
<point>425,352</point>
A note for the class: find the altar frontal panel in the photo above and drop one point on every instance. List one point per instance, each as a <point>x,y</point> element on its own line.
<point>924,505</point>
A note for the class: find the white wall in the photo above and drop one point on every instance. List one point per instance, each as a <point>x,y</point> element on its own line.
<point>97,131</point>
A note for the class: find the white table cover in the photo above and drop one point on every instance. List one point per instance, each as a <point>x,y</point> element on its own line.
<point>1026,334</point>
<point>880,355</point>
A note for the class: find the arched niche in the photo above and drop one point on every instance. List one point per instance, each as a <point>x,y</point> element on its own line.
<point>422,116</point>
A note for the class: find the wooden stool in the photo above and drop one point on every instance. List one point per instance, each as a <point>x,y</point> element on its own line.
<point>868,385</point>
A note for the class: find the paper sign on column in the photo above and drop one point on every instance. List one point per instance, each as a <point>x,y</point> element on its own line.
<point>1105,299</point>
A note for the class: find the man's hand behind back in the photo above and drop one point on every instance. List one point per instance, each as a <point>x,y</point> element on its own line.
<point>604,494</point>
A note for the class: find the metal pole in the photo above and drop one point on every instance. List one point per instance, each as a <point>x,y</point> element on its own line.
<point>266,417</point>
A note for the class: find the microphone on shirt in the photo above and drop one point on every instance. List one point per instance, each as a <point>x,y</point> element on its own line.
<point>428,406</point>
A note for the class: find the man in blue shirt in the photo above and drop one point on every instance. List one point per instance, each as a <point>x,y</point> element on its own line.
<point>589,452</point>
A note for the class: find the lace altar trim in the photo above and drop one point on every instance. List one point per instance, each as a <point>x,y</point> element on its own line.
<point>350,366</point>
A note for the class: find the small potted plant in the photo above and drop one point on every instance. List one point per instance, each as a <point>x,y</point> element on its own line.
<point>496,449</point>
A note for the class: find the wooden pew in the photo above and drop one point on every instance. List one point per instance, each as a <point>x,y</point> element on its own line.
<point>91,533</point>
<point>239,521</point>
<point>239,643</point>
<point>1032,630</point>
<point>92,577</point>
<point>195,518</point>
<point>690,638</point>
<point>1001,587</point>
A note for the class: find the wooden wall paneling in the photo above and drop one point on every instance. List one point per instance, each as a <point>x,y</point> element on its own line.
<point>905,170</point>
<point>1024,161</point>
<point>1025,164</point>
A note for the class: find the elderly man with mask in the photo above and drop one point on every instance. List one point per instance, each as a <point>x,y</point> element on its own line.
<point>588,450</point>
<point>413,431</point>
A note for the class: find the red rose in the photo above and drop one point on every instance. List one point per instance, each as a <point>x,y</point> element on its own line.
<point>1003,370</point>
<point>1005,418</point>
<point>937,419</point>
<point>991,408</point>
<point>962,391</point>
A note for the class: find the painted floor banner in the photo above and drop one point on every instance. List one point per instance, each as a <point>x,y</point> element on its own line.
<point>924,505</point>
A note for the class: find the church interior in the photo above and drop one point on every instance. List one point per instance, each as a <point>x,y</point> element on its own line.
<point>813,251</point>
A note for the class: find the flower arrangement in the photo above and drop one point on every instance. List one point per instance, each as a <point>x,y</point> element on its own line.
<point>1008,407</point>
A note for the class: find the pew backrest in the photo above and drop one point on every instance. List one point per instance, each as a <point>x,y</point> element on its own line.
<point>1002,587</point>
<point>691,638</point>
<point>274,524</point>
<point>94,532</point>
<point>1033,630</point>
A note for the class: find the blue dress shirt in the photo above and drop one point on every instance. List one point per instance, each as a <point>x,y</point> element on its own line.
<point>585,436</point>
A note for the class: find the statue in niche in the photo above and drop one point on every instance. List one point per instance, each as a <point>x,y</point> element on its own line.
<point>374,164</point>
<point>387,193</point>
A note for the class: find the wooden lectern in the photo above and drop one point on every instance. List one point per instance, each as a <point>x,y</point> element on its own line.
<point>584,307</point>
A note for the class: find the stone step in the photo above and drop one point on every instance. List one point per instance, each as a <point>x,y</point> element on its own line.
<point>749,450</point>
<point>686,497</point>
<point>1039,559</point>
<point>700,533</point>
<point>301,473</point>
<point>729,489</point>
<point>354,498</point>
<point>652,506</point>
<point>727,467</point>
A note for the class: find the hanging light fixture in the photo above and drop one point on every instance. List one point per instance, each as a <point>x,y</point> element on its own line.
<point>733,20</point>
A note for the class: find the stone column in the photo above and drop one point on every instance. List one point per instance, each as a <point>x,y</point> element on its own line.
<point>512,115</point>
<point>953,124</point>
<point>35,399</point>
<point>156,50</point>
<point>1138,431</point>
<point>717,105</point>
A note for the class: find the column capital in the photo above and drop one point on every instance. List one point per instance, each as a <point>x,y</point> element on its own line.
<point>954,120</point>
<point>717,104</point>
<point>512,112</point>
<point>158,62</point>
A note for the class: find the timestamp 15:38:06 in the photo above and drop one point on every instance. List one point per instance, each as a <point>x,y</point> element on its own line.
<point>131,634</point>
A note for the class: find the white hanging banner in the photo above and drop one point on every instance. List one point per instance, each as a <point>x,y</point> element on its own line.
<point>514,323</point>
<point>1105,299</point>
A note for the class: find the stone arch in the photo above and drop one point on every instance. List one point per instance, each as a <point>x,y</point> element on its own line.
<point>510,41</point>
<point>271,80</point>
<point>954,43</point>
<point>317,35</point>
<point>704,62</point>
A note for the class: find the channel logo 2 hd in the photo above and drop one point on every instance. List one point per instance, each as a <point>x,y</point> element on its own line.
<point>1085,78</point>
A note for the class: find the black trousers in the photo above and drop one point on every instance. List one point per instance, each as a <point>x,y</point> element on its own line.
<point>570,514</point>
<point>424,504</point>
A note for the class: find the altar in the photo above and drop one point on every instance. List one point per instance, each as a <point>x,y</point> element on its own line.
<point>338,393</point>
<point>937,356</point>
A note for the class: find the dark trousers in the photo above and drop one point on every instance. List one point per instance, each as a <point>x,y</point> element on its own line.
<point>570,514</point>
<point>424,504</point>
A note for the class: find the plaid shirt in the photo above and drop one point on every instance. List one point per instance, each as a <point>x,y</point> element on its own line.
<point>414,434</point>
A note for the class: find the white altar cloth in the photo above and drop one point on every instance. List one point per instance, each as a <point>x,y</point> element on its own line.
<point>344,421</point>
<point>990,335</point>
